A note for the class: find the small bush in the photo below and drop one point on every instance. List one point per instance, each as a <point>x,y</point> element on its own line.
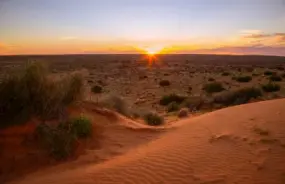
<point>275,78</point>
<point>193,103</point>
<point>81,127</point>
<point>167,99</point>
<point>243,78</point>
<point>153,119</point>
<point>225,74</point>
<point>271,87</point>
<point>117,104</point>
<point>173,106</point>
<point>164,83</point>
<point>213,87</point>
<point>211,79</point>
<point>96,89</point>
<point>269,73</point>
<point>237,97</point>
<point>183,113</point>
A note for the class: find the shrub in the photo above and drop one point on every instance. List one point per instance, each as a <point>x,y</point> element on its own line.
<point>225,74</point>
<point>211,79</point>
<point>193,103</point>
<point>117,104</point>
<point>30,91</point>
<point>173,106</point>
<point>96,89</point>
<point>275,78</point>
<point>243,78</point>
<point>183,113</point>
<point>237,97</point>
<point>58,141</point>
<point>270,87</point>
<point>153,119</point>
<point>213,87</point>
<point>269,73</point>
<point>167,99</point>
<point>164,83</point>
<point>81,127</point>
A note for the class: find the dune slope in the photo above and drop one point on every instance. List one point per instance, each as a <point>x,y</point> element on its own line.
<point>242,144</point>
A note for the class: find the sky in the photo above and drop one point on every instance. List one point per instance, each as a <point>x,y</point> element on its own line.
<point>136,26</point>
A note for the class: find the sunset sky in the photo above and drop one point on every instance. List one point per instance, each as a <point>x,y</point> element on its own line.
<point>132,26</point>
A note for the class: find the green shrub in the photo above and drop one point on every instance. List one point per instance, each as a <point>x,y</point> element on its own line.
<point>271,87</point>
<point>269,73</point>
<point>237,97</point>
<point>213,87</point>
<point>164,83</point>
<point>243,78</point>
<point>81,127</point>
<point>153,119</point>
<point>31,92</point>
<point>173,106</point>
<point>96,89</point>
<point>58,141</point>
<point>275,78</point>
<point>193,103</point>
<point>167,99</point>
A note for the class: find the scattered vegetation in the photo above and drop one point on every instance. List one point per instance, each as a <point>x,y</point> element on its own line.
<point>167,99</point>
<point>237,97</point>
<point>31,92</point>
<point>275,78</point>
<point>213,87</point>
<point>153,119</point>
<point>193,103</point>
<point>271,87</point>
<point>164,83</point>
<point>243,78</point>
<point>96,89</point>
<point>60,140</point>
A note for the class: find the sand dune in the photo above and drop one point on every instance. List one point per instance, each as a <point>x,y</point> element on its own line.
<point>242,144</point>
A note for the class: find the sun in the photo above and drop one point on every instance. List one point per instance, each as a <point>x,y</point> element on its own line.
<point>151,52</point>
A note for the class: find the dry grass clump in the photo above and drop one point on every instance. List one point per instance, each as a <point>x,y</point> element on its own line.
<point>275,78</point>
<point>164,83</point>
<point>31,92</point>
<point>237,97</point>
<point>243,78</point>
<point>117,104</point>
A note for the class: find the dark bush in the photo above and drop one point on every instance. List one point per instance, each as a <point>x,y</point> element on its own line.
<point>211,79</point>
<point>167,99</point>
<point>193,103</point>
<point>275,78</point>
<point>164,83</point>
<point>237,97</point>
<point>269,73</point>
<point>96,89</point>
<point>243,78</point>
<point>183,113</point>
<point>153,119</point>
<point>213,87</point>
<point>173,106</point>
<point>225,74</point>
<point>270,87</point>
